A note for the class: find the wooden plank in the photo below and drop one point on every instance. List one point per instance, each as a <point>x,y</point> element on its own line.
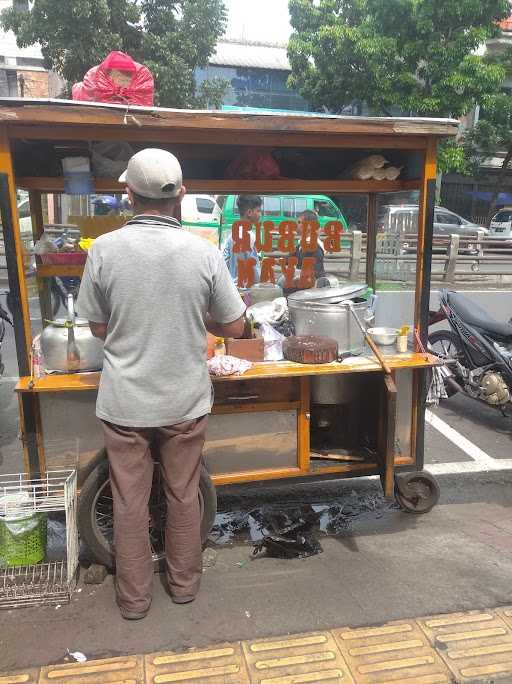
<point>304,424</point>
<point>51,270</point>
<point>60,383</point>
<point>198,138</point>
<point>279,473</point>
<point>224,409</point>
<point>279,369</point>
<point>225,186</point>
<point>55,113</point>
<point>389,444</point>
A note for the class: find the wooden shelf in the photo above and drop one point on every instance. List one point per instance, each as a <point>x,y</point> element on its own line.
<point>279,369</point>
<point>281,186</point>
<point>60,270</point>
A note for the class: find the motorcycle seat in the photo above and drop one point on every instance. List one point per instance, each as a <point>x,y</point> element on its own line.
<point>472,313</point>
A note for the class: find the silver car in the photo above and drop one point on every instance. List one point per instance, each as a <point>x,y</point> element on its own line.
<point>403,219</point>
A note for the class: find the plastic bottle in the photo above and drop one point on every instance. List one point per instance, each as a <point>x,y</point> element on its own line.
<point>220,347</point>
<point>37,358</point>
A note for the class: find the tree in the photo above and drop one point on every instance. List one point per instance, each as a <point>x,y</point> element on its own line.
<point>419,56</point>
<point>172,37</point>
<point>491,136</point>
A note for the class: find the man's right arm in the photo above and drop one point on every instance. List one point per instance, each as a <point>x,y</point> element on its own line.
<point>234,329</point>
<point>226,314</point>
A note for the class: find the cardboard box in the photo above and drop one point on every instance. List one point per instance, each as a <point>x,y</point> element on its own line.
<point>251,350</point>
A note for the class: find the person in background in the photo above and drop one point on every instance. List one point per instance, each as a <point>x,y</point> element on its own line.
<point>249,207</point>
<point>151,291</point>
<point>318,253</point>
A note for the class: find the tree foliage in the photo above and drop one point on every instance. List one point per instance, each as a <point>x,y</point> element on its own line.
<point>415,56</point>
<point>491,136</point>
<point>172,37</point>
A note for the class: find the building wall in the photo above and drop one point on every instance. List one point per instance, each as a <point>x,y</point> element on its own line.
<point>22,72</point>
<point>255,87</point>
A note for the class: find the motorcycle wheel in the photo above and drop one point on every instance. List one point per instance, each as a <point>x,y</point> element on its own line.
<point>446,345</point>
<point>95,515</point>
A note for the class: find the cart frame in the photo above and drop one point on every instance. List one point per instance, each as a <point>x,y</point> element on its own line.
<point>190,132</point>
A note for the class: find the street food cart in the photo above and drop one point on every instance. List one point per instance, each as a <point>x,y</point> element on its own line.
<point>261,426</point>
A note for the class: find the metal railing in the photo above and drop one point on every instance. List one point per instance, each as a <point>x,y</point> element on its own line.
<point>454,258</point>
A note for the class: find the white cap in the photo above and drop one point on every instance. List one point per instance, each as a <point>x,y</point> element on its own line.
<point>153,173</point>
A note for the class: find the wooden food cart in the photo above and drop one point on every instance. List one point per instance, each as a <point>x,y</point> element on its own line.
<point>261,424</point>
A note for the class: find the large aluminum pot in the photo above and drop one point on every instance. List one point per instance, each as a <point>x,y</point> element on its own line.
<point>332,320</point>
<point>68,346</point>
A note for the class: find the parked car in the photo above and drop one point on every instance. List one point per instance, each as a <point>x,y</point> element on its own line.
<point>403,219</point>
<point>501,228</point>
<point>279,208</point>
<point>201,215</point>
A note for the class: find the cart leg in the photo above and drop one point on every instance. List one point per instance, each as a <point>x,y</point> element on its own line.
<point>387,437</point>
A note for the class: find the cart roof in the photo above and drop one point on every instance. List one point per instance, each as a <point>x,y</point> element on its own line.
<point>28,111</point>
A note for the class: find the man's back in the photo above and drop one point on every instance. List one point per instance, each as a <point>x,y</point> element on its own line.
<point>157,283</point>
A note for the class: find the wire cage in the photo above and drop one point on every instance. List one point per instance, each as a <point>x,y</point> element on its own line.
<point>27,576</point>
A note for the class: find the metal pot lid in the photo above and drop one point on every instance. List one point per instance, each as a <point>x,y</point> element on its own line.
<point>329,295</point>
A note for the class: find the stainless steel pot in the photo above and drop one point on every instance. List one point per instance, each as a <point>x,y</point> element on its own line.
<point>322,317</point>
<point>332,320</point>
<point>68,346</point>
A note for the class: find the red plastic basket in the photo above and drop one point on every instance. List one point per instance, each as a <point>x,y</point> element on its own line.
<point>64,258</point>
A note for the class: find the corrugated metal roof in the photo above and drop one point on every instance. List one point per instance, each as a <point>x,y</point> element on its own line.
<point>249,54</point>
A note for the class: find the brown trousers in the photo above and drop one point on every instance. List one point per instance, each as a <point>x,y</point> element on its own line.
<point>131,476</point>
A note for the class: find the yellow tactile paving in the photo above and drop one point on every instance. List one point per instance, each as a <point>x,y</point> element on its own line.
<point>476,646</point>
<point>25,677</point>
<point>124,670</point>
<point>462,647</point>
<point>294,660</point>
<point>506,614</point>
<point>396,652</point>
<point>218,665</point>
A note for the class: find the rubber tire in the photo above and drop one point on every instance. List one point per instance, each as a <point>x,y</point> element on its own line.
<point>407,503</point>
<point>451,337</point>
<point>100,551</point>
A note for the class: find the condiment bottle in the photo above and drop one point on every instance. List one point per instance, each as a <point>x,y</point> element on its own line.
<point>401,340</point>
<point>220,347</point>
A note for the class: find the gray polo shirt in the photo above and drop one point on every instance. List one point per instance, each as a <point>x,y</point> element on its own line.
<point>153,283</point>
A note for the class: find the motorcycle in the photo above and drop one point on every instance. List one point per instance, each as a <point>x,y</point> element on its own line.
<point>60,288</point>
<point>477,349</point>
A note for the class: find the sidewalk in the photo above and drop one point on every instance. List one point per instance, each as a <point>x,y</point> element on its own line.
<point>461,647</point>
<point>386,566</point>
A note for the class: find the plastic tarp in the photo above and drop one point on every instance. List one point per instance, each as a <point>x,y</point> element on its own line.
<point>99,86</point>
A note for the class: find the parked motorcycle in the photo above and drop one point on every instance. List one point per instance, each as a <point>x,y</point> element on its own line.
<point>60,288</point>
<point>477,349</point>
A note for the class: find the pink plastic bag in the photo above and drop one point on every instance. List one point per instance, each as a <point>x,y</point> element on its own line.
<point>99,85</point>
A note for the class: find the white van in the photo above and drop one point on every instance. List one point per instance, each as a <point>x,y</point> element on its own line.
<point>501,227</point>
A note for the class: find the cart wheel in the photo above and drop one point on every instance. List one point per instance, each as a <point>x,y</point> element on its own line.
<point>95,515</point>
<point>417,492</point>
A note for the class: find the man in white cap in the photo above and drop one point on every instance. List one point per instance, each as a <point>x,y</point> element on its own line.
<point>151,290</point>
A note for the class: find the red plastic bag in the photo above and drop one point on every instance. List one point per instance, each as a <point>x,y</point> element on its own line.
<point>119,80</point>
<point>254,165</point>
